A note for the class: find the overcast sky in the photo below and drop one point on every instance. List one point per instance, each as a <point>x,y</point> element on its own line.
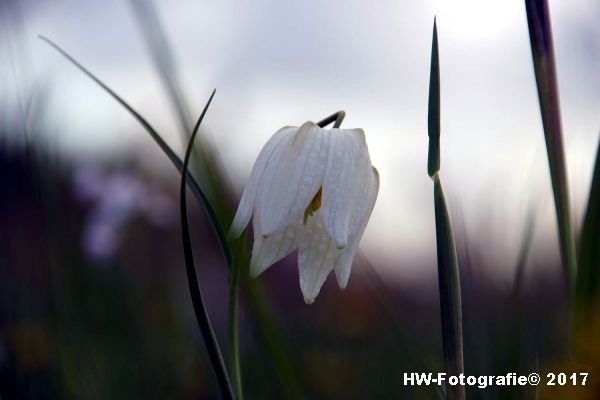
<point>277,63</point>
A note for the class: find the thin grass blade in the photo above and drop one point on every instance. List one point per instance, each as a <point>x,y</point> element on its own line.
<point>542,51</point>
<point>173,157</point>
<point>198,303</point>
<point>162,55</point>
<point>205,164</point>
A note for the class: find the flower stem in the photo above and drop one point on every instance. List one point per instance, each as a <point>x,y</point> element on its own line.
<point>232,334</point>
<point>336,118</point>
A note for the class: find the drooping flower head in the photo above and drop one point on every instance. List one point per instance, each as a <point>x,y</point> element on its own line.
<point>313,189</point>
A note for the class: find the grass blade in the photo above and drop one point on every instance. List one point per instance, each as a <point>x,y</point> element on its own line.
<point>199,307</point>
<point>161,52</point>
<point>162,56</point>
<point>433,115</point>
<point>542,50</point>
<point>448,273</point>
<point>587,295</point>
<point>450,296</point>
<point>173,157</point>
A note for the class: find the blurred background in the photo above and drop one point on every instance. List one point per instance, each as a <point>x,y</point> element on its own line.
<point>93,295</point>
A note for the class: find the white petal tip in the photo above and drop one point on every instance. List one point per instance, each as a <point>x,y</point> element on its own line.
<point>254,274</point>
<point>339,239</point>
<point>255,270</point>
<point>310,295</point>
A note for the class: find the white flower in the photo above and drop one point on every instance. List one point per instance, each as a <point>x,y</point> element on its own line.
<point>312,189</point>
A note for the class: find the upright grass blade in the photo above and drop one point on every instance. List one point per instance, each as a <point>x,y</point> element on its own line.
<point>542,51</point>
<point>204,164</point>
<point>199,308</point>
<point>586,320</point>
<point>162,56</point>
<point>449,287</point>
<point>448,273</point>
<point>433,115</point>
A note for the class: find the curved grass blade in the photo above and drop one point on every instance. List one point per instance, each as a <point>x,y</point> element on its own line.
<point>194,186</point>
<point>448,272</point>
<point>542,51</point>
<point>199,307</point>
<point>586,319</point>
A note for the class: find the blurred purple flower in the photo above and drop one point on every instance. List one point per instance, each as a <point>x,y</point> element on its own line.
<point>115,198</point>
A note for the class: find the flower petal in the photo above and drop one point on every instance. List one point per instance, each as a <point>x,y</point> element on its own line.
<point>343,265</point>
<point>267,251</point>
<point>292,178</point>
<point>316,256</point>
<point>345,182</point>
<point>246,206</point>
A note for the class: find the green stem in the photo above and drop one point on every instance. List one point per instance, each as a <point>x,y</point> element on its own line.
<point>337,119</point>
<point>233,337</point>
